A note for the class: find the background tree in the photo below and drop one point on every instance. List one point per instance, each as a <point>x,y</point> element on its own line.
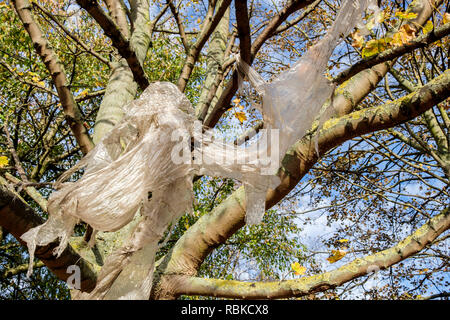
<point>377,193</point>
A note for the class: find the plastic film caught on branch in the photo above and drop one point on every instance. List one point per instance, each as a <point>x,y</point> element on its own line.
<point>158,147</point>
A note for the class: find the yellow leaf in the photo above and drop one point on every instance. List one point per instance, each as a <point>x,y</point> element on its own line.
<point>374,47</point>
<point>410,31</point>
<point>41,83</point>
<point>3,161</point>
<point>298,269</point>
<point>343,240</point>
<point>240,116</point>
<point>404,35</point>
<point>84,92</point>
<point>446,18</point>
<point>428,27</point>
<point>406,15</point>
<point>336,255</point>
<point>236,101</point>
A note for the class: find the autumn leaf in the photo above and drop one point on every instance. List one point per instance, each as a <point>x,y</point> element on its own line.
<point>374,46</point>
<point>358,39</point>
<point>298,269</point>
<point>343,240</point>
<point>240,116</point>
<point>84,93</point>
<point>404,35</point>
<point>428,27</point>
<point>406,15</point>
<point>336,255</point>
<point>446,18</point>
<point>3,161</point>
<point>423,271</point>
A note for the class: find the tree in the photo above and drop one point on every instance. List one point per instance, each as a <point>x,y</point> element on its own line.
<point>68,68</point>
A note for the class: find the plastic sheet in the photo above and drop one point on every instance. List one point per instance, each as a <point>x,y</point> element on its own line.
<point>158,147</point>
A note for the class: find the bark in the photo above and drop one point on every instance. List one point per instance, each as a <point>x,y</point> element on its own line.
<point>121,88</point>
<point>195,49</point>
<point>214,62</point>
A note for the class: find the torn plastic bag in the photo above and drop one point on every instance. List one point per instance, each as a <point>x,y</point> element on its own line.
<point>136,158</point>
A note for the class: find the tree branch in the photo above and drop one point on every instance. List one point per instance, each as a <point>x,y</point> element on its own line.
<point>420,42</point>
<point>180,25</point>
<point>17,218</point>
<point>231,87</point>
<point>71,111</point>
<point>118,40</point>
<point>196,48</point>
<point>385,116</point>
<point>243,28</point>
<point>318,283</point>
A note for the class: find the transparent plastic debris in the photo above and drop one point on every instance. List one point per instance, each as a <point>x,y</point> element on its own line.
<point>293,100</point>
<point>145,165</point>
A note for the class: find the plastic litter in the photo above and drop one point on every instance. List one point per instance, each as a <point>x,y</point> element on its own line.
<point>159,146</point>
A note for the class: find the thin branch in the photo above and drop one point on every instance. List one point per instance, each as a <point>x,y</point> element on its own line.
<point>118,40</point>
<point>180,25</point>
<point>20,269</point>
<point>71,111</point>
<point>420,42</point>
<point>322,282</point>
<point>71,35</point>
<point>302,16</point>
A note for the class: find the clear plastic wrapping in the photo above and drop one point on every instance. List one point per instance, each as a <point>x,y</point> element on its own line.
<point>147,162</point>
